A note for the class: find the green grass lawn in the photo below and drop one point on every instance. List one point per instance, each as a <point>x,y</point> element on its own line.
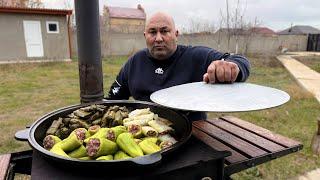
<point>28,91</point>
<point>312,62</point>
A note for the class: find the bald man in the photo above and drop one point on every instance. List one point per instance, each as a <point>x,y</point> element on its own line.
<point>164,64</point>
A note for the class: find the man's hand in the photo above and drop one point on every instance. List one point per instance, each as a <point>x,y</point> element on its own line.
<point>221,72</point>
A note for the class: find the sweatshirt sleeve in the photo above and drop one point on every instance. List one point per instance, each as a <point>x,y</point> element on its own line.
<point>119,89</point>
<point>242,62</point>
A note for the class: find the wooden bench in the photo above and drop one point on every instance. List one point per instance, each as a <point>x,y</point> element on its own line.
<point>249,144</point>
<point>4,165</point>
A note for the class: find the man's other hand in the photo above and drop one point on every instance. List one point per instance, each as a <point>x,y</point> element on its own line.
<point>221,72</point>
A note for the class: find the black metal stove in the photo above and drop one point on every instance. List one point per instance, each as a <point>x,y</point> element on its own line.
<point>195,160</point>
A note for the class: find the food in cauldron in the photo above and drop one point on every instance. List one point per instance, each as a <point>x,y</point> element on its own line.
<point>98,132</point>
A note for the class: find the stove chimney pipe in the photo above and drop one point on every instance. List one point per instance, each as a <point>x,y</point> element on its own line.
<point>89,50</point>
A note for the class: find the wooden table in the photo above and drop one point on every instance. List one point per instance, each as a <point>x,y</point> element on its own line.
<point>249,145</point>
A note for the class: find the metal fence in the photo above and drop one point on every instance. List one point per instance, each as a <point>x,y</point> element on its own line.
<point>313,42</point>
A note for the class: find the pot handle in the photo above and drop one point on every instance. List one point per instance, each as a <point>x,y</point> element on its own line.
<point>22,135</point>
<point>148,159</point>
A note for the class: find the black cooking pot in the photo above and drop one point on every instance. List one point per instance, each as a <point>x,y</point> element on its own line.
<point>181,125</point>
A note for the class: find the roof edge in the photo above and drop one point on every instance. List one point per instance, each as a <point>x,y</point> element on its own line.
<point>34,11</point>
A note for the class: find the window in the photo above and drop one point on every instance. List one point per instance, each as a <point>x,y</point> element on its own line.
<point>52,27</point>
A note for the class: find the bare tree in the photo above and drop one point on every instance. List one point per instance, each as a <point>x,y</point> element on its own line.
<point>70,6</point>
<point>24,3</point>
<point>251,33</point>
<point>237,26</point>
<point>228,23</point>
<point>67,4</point>
<point>219,31</point>
<point>198,25</point>
<point>32,3</point>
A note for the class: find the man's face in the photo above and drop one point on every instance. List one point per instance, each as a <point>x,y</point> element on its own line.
<point>161,37</point>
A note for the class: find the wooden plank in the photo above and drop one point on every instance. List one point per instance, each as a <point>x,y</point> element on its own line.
<point>4,164</point>
<point>231,140</point>
<point>215,144</point>
<point>262,131</point>
<point>247,135</point>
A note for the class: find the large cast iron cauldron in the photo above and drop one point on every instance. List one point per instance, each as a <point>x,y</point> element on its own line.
<point>180,123</point>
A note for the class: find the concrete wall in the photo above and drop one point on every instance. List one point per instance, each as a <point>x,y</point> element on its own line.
<point>126,44</point>
<point>256,44</point>
<point>115,43</point>
<point>121,44</point>
<point>12,41</point>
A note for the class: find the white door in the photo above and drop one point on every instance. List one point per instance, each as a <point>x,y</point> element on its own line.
<point>33,38</point>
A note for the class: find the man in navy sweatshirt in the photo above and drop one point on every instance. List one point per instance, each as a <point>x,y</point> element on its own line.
<point>164,64</point>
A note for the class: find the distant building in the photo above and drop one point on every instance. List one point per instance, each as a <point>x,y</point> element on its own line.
<point>262,31</point>
<point>299,30</point>
<point>34,34</point>
<point>124,20</point>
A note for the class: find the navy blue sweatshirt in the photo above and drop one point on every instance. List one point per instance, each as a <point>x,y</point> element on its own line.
<point>142,74</point>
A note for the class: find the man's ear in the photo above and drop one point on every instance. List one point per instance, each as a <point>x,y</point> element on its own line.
<point>177,33</point>
<point>144,34</point>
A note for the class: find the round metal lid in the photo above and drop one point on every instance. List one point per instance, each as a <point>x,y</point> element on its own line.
<point>234,97</point>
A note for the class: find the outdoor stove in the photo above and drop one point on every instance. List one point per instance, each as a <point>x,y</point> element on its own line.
<point>195,160</point>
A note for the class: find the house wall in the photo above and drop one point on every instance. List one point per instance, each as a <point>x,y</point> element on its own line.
<point>13,47</point>
<point>123,25</point>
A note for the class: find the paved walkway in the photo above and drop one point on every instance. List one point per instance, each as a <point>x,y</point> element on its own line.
<point>308,79</point>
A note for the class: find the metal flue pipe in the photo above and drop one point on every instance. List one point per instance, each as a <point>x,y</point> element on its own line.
<point>89,50</point>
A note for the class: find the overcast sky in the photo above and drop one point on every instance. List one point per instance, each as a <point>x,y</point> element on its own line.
<point>275,14</point>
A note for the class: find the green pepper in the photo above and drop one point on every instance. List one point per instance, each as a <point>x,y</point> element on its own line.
<point>100,146</point>
<point>105,158</point>
<point>114,132</point>
<point>74,140</point>
<point>121,155</point>
<point>126,142</point>
<point>93,129</point>
<point>148,147</point>
<point>154,140</point>
<point>135,130</point>
<point>49,141</point>
<point>78,153</point>
<point>137,140</point>
<point>100,134</point>
<point>56,149</point>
